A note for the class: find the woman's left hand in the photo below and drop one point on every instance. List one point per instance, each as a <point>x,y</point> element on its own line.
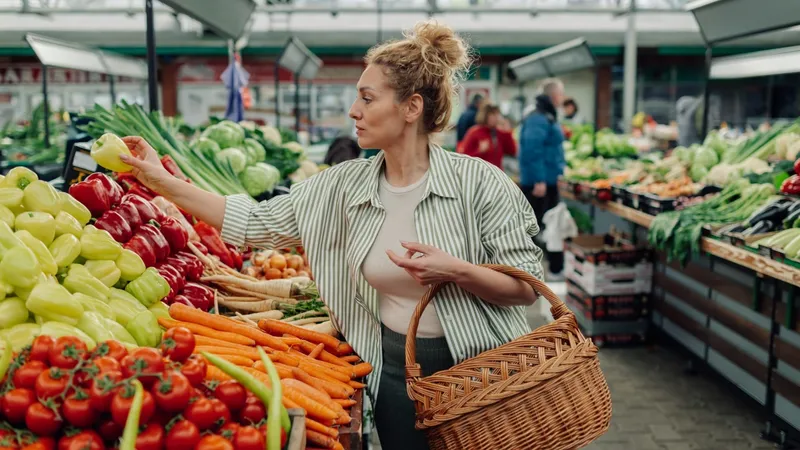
<point>432,266</point>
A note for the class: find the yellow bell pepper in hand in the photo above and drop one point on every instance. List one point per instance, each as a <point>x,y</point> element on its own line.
<point>107,150</point>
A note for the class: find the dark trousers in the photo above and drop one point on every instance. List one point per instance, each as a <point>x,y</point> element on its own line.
<point>540,206</point>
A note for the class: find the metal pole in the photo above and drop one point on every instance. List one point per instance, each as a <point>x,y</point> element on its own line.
<point>231,51</point>
<point>297,102</point>
<point>152,68</point>
<point>46,108</point>
<point>277,95</point>
<point>310,111</point>
<point>596,124</point>
<point>112,90</point>
<point>380,20</point>
<point>629,88</point>
<point>706,92</point>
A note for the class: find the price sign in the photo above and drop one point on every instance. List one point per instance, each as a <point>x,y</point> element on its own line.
<point>80,164</point>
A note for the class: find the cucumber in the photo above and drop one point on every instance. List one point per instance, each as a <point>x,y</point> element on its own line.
<point>783,238</point>
<point>793,248</point>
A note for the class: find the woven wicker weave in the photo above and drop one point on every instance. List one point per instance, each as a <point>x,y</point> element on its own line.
<point>543,391</point>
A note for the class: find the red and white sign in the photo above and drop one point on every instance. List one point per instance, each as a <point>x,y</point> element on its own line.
<point>28,74</point>
<point>200,71</point>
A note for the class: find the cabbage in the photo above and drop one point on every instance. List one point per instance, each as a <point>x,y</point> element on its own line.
<point>705,157</point>
<point>698,173</point>
<point>254,151</point>
<point>207,147</point>
<point>248,125</point>
<point>715,142</point>
<point>294,147</point>
<point>683,154</point>
<point>223,135</point>
<point>259,179</point>
<point>233,158</point>
<point>271,134</point>
<point>237,129</point>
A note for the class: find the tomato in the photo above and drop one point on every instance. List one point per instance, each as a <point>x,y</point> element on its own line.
<point>233,394</point>
<point>109,430</point>
<point>77,410</point>
<point>41,443</point>
<point>178,344</point>
<point>214,442</point>
<point>121,405</point>
<point>221,412</point>
<point>201,412</point>
<point>16,403</point>
<point>101,391</point>
<point>66,352</point>
<point>51,383</point>
<point>172,392</point>
<point>112,349</point>
<point>252,413</point>
<point>42,420</point>
<point>25,376</point>
<point>249,438</point>
<point>105,364</point>
<point>145,362</point>
<point>152,438</point>
<point>228,431</point>
<point>195,370</point>
<point>183,435</point>
<point>40,348</point>
<point>85,440</point>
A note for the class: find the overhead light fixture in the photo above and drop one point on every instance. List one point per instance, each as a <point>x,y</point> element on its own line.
<point>725,20</point>
<point>227,18</point>
<point>563,58</point>
<point>299,60</point>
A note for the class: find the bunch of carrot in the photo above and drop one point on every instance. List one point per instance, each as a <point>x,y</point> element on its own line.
<point>318,372</point>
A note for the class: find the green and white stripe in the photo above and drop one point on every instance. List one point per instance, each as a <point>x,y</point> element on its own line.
<point>470,209</point>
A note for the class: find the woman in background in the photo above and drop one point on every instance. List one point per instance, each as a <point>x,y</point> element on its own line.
<point>488,141</point>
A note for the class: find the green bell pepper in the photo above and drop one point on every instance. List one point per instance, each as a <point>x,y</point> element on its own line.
<point>8,239</point>
<point>53,302</point>
<point>66,224</point>
<point>124,305</point>
<point>145,329</point>
<point>57,329</point>
<point>74,208</point>
<point>20,268</point>
<point>91,304</point>
<point>11,197</point>
<point>130,265</point>
<point>149,287</point>
<point>104,270</point>
<point>161,310</point>
<point>21,336</point>
<point>94,326</point>
<point>41,196</point>
<point>79,279</point>
<point>13,312</point>
<point>119,332</point>
<point>19,177</point>
<point>99,245</point>
<point>7,216</point>
<point>41,224</point>
<point>65,249</point>
<point>41,251</point>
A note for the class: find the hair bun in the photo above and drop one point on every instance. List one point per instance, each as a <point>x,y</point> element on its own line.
<point>440,46</point>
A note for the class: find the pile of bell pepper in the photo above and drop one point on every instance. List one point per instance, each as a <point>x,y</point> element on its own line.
<point>60,275</point>
<point>125,210</point>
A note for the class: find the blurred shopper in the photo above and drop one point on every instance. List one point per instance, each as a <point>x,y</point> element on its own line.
<point>486,140</point>
<point>541,159</point>
<point>689,130</point>
<point>343,148</point>
<point>467,119</point>
<point>571,112</point>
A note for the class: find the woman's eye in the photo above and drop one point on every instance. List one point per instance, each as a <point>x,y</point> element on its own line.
<point>366,99</point>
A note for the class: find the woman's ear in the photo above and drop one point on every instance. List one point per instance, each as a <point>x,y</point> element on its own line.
<point>415,107</point>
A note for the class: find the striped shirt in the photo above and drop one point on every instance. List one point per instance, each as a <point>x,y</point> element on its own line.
<point>470,209</point>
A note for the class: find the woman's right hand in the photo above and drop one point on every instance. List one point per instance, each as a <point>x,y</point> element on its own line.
<point>147,167</point>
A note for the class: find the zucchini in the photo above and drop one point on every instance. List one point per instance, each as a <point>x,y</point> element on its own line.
<point>781,239</point>
<point>793,248</point>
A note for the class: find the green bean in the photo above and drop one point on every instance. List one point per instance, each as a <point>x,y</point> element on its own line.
<point>274,409</point>
<point>5,358</point>
<point>128,441</point>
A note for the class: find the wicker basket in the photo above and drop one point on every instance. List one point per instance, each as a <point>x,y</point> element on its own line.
<point>542,391</point>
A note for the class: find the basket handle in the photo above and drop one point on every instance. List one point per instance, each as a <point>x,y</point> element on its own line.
<point>557,307</point>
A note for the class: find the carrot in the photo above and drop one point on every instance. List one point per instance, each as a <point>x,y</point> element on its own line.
<point>202,330</point>
<point>280,328</point>
<point>317,350</point>
<point>238,360</point>
<point>313,393</point>
<point>283,371</point>
<point>324,355</point>
<point>320,439</point>
<point>188,314</point>
<point>356,385</point>
<point>214,342</point>
<point>287,359</point>
<point>338,446</point>
<point>214,373</point>
<point>292,341</point>
<point>313,408</point>
<point>250,353</point>
<point>346,386</point>
<point>362,370</point>
<point>346,403</point>
<point>332,389</point>
<point>348,371</point>
<point>344,349</point>
<point>315,370</point>
<point>312,424</point>
<point>350,359</point>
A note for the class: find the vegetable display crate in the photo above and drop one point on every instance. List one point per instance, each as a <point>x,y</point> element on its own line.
<point>610,332</point>
<point>746,242</point>
<point>607,249</point>
<point>609,279</point>
<point>621,195</point>
<point>606,307</point>
<point>601,194</point>
<point>297,435</point>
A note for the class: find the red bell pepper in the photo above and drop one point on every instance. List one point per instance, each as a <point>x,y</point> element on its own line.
<point>200,247</point>
<point>791,185</point>
<point>172,167</point>
<point>211,238</point>
<point>176,235</point>
<point>141,246</point>
<point>115,191</point>
<point>147,211</point>
<point>178,264</point>
<point>93,195</point>
<point>116,225</point>
<point>182,299</point>
<point>797,167</point>
<point>194,267</point>
<point>142,191</point>
<point>236,255</point>
<point>174,279</point>
<point>129,212</point>
<point>156,239</point>
<point>201,296</point>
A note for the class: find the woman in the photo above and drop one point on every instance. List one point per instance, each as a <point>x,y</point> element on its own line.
<point>486,140</point>
<point>377,232</point>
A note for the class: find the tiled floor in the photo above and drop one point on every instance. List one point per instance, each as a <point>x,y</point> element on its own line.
<point>657,406</point>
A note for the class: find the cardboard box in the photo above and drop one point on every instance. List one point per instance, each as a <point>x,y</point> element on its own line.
<point>606,279</point>
<point>607,307</point>
<point>606,249</point>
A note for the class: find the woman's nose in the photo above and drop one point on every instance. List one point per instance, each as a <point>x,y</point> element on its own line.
<point>354,113</point>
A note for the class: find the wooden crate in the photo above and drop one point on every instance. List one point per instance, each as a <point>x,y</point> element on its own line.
<point>297,435</point>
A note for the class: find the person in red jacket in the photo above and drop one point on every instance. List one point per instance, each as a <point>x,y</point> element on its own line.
<point>486,140</point>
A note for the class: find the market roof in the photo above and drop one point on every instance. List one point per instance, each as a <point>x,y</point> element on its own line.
<point>757,64</point>
<point>227,18</point>
<point>725,20</point>
<point>68,55</point>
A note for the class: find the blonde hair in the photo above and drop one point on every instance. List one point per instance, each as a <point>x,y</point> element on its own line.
<point>429,61</point>
<point>549,85</point>
<point>487,109</point>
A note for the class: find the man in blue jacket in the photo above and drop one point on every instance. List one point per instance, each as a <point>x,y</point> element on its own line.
<point>541,159</point>
<point>467,119</point>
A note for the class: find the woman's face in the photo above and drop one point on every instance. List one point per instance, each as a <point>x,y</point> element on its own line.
<point>380,118</point>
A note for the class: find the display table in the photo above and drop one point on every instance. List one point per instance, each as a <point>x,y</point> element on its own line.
<point>351,436</point>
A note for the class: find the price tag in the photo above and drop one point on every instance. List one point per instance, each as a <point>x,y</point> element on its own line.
<point>80,164</point>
